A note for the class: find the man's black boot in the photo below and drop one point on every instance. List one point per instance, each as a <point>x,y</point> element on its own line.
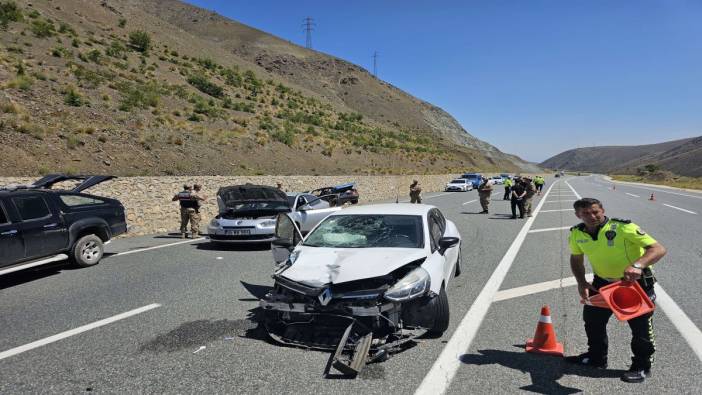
<point>586,360</point>
<point>636,374</point>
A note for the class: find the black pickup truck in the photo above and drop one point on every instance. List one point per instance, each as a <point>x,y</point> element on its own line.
<point>39,225</point>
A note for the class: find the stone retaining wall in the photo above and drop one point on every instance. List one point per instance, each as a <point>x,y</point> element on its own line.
<point>150,210</point>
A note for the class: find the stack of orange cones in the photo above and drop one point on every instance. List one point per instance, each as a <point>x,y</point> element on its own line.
<point>544,341</point>
<point>626,299</point>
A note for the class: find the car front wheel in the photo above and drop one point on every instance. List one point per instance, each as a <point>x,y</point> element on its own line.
<point>87,251</point>
<point>441,314</point>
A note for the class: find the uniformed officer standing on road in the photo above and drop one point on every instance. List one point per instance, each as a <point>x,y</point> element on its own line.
<point>508,186</point>
<point>415,192</point>
<point>484,193</point>
<point>617,249</point>
<point>198,197</point>
<point>188,209</point>
<point>529,197</point>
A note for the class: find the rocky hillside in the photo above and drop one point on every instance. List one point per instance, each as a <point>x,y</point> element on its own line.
<point>683,157</point>
<point>133,87</point>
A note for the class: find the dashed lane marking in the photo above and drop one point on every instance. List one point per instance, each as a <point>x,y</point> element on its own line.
<point>474,200</point>
<point>537,288</point>
<point>72,332</point>
<point>681,209</point>
<point>549,229</point>
<point>158,246</point>
<point>444,369</point>
<point>631,194</point>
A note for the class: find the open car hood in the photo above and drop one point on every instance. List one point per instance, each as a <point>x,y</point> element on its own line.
<point>228,197</point>
<point>87,181</point>
<point>316,266</point>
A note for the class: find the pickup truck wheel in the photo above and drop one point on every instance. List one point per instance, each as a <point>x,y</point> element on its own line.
<point>87,251</point>
<point>441,314</point>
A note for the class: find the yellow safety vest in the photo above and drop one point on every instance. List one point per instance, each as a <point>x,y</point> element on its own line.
<point>618,244</point>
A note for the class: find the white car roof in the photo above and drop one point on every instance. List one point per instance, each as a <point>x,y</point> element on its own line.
<point>387,208</point>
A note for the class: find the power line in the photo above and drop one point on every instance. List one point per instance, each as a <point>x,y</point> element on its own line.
<point>308,24</point>
<point>375,64</point>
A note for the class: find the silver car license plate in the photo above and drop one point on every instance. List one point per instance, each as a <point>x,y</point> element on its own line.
<point>237,232</point>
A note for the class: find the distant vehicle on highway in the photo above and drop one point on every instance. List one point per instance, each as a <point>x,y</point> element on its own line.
<point>338,195</point>
<point>247,213</point>
<point>497,180</point>
<point>474,178</point>
<point>366,280</point>
<point>39,225</point>
<point>460,185</point>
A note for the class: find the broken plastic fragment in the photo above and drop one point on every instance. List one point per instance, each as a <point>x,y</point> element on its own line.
<point>199,349</point>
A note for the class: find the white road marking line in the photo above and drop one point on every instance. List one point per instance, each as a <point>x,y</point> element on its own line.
<point>158,246</point>
<point>689,331</point>
<point>662,190</point>
<point>549,229</point>
<point>435,196</point>
<point>444,369</point>
<point>682,322</point>
<point>556,201</point>
<point>577,195</point>
<point>474,200</point>
<point>553,211</point>
<point>681,209</point>
<point>55,258</point>
<point>631,194</point>
<point>72,332</point>
<point>536,288</point>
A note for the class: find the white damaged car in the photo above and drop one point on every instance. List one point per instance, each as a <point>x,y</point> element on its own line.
<point>363,282</point>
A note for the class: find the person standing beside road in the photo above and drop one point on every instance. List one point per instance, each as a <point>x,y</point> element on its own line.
<point>484,193</point>
<point>529,196</point>
<point>617,250</point>
<point>517,198</point>
<point>188,208</point>
<point>198,197</point>
<point>415,192</point>
<point>539,184</point>
<point>508,186</point>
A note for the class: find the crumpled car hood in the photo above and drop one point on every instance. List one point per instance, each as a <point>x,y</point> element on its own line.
<point>318,266</point>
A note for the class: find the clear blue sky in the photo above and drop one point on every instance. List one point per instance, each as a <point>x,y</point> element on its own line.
<point>533,78</point>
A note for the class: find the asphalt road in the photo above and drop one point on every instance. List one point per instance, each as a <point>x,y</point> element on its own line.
<point>195,295</point>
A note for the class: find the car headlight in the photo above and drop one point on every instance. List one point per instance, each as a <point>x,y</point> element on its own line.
<point>293,256</point>
<point>214,223</point>
<point>268,223</point>
<point>414,284</point>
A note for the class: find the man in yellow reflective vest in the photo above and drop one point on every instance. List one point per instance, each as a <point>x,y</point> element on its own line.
<point>508,188</point>
<point>617,250</point>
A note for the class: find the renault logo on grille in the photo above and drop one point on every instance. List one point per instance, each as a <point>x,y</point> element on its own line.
<point>325,296</point>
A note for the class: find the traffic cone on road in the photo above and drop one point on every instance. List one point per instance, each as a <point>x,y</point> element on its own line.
<point>652,197</point>
<point>544,341</point>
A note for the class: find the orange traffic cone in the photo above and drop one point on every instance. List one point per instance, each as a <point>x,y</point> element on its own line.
<point>652,197</point>
<point>544,341</point>
<point>626,299</point>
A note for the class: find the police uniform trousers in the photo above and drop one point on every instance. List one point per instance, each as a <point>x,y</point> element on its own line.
<point>507,191</point>
<point>643,343</point>
<point>189,215</point>
<point>517,203</point>
<point>484,199</point>
<point>527,203</point>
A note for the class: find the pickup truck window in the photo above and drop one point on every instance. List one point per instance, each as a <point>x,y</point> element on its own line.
<point>3,216</point>
<point>75,200</point>
<point>31,207</point>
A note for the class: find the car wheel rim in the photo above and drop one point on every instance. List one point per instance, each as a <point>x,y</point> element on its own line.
<point>90,251</point>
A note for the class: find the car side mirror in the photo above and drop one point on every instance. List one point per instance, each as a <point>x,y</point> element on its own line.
<point>447,242</point>
<point>304,207</point>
